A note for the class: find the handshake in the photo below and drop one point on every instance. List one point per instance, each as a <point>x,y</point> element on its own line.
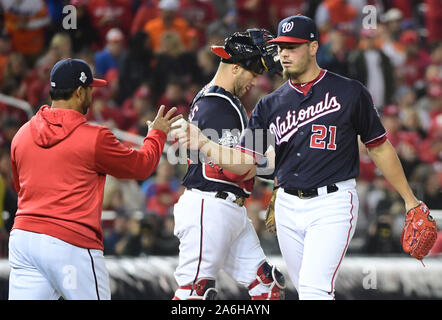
<point>186,133</point>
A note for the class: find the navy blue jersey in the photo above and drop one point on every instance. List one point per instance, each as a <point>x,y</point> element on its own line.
<point>316,134</point>
<point>222,118</point>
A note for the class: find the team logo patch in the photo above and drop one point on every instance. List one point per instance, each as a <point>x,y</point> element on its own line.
<point>228,139</point>
<point>83,77</point>
<point>287,26</point>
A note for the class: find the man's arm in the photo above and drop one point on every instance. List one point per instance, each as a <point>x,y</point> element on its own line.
<point>230,159</point>
<point>386,159</point>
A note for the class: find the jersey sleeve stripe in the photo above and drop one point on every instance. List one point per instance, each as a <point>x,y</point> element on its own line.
<point>374,139</point>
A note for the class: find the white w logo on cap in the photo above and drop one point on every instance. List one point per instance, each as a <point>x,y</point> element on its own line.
<point>287,27</point>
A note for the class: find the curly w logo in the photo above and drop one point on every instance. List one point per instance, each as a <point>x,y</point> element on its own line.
<point>287,27</point>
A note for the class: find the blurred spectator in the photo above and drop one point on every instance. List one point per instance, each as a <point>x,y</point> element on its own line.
<point>110,14</point>
<point>147,11</point>
<point>164,176</point>
<point>261,195</point>
<point>25,21</point>
<point>168,21</point>
<point>380,239</point>
<point>109,57</point>
<point>173,62</point>
<point>102,112</point>
<point>118,232</point>
<point>121,194</point>
<point>161,203</point>
<point>433,191</point>
<point>333,55</point>
<point>268,241</point>
<point>373,68</point>
<point>174,96</point>
<point>198,15</point>
<point>60,47</point>
<point>14,83</point>
<point>207,64</point>
<point>166,243</point>
<point>5,51</point>
<point>253,14</point>
<point>149,227</point>
<point>390,46</point>
<point>333,12</point>
<point>433,17</point>
<point>393,22</point>
<point>38,89</point>
<point>9,128</point>
<point>417,59</point>
<point>280,9</point>
<point>130,244</point>
<point>84,36</point>
<point>137,110</point>
<point>136,65</point>
<point>8,195</point>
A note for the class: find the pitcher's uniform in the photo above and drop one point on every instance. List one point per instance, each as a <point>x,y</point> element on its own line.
<point>316,127</point>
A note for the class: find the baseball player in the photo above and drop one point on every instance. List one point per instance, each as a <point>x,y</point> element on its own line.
<point>315,117</point>
<point>59,164</point>
<point>210,218</point>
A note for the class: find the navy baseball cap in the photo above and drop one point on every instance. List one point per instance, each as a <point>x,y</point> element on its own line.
<point>73,73</point>
<point>296,29</point>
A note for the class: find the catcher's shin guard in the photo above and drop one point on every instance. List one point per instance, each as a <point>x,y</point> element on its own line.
<point>268,285</point>
<point>202,289</point>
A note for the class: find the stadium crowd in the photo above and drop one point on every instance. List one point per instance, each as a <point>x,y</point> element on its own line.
<point>155,52</point>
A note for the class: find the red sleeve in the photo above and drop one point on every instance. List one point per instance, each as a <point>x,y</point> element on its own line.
<point>114,158</point>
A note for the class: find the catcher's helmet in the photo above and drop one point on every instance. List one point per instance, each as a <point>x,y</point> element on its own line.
<point>251,50</point>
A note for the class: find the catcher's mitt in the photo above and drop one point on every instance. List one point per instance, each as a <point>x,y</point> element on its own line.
<point>419,233</point>
<point>270,213</point>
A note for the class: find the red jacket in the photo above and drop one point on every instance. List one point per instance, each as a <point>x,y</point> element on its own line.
<point>59,164</point>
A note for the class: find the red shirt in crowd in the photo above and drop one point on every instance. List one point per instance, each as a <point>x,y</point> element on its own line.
<point>59,164</point>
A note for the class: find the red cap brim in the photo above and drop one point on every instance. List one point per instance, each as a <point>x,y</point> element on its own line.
<point>98,83</point>
<point>288,40</point>
<point>220,52</point>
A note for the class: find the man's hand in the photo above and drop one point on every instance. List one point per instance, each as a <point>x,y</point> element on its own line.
<point>192,138</point>
<point>164,123</point>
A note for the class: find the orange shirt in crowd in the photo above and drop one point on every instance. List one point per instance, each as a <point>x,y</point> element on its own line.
<point>26,22</point>
<point>156,28</point>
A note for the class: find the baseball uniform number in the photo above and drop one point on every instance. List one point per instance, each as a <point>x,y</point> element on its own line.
<point>317,140</point>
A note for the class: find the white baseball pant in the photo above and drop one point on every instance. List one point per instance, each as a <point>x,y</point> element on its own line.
<point>314,235</point>
<point>47,268</point>
<point>215,234</point>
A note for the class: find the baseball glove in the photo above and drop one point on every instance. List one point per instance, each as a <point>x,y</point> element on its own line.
<point>419,233</point>
<point>270,213</point>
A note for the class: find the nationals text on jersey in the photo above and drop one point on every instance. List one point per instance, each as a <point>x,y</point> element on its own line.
<point>285,129</point>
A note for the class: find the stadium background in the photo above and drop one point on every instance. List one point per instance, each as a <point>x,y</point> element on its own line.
<point>156,52</point>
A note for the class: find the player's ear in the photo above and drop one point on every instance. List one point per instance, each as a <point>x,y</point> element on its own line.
<point>235,69</point>
<point>313,47</point>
